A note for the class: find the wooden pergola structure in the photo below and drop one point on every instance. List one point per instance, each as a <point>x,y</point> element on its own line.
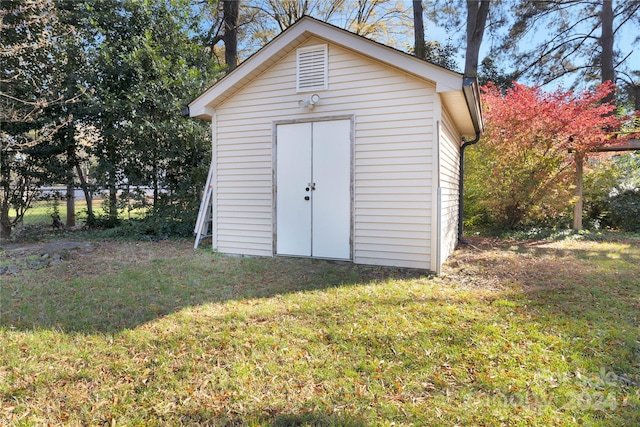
<point>631,145</point>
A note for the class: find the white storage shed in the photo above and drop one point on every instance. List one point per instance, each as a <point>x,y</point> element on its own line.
<point>327,144</point>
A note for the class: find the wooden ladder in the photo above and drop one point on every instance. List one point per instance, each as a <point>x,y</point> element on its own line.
<point>204,226</point>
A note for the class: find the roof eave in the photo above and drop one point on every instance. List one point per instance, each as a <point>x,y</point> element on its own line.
<point>472,96</point>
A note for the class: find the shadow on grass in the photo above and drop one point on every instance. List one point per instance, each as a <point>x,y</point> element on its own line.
<point>142,292</point>
<point>310,419</point>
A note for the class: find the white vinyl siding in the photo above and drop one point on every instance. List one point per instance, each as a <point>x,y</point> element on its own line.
<point>450,142</point>
<point>393,166</point>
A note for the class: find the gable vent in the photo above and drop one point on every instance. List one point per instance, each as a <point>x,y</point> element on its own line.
<point>312,68</point>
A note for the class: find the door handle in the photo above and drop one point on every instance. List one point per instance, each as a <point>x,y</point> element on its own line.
<point>306,197</point>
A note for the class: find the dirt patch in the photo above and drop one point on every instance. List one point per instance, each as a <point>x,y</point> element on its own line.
<point>17,257</point>
<point>523,265</point>
<point>89,258</point>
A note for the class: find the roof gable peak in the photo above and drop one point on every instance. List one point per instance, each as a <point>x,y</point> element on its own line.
<point>306,27</point>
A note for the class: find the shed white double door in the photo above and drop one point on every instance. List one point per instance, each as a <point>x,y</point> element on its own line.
<point>313,189</point>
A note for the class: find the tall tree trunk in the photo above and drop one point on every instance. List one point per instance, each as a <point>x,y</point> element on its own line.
<point>156,192</point>
<point>71,162</point>
<point>71,203</point>
<point>477,12</point>
<point>88,196</point>
<point>418,29</point>
<point>5,191</point>
<point>231,9</point>
<point>606,42</point>
<point>113,200</point>
<point>5,222</point>
<point>577,209</point>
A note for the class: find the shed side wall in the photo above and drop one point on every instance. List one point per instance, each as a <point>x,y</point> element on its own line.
<point>449,182</point>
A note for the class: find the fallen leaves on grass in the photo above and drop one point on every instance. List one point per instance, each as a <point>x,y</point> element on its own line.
<point>158,334</point>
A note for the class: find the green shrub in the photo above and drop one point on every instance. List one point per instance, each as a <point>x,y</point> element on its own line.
<point>612,193</point>
<point>624,210</point>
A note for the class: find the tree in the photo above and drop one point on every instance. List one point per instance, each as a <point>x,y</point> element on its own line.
<point>432,50</point>
<point>521,171</point>
<point>489,72</point>
<point>262,20</point>
<point>147,65</point>
<point>377,19</point>
<point>121,69</point>
<point>418,29</point>
<point>440,55</point>
<point>32,85</point>
<point>231,10</point>
<point>25,61</point>
<point>70,45</point>
<point>631,89</point>
<point>607,73</point>
<point>223,22</point>
<point>480,16</point>
<point>577,38</point>
<point>477,13</point>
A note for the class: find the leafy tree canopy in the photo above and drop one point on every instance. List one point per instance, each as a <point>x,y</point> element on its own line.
<point>522,171</point>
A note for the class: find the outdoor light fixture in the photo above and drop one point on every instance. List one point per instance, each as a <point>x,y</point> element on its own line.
<point>309,103</point>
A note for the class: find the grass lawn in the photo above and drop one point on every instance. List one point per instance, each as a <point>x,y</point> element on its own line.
<point>40,212</point>
<point>513,334</point>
